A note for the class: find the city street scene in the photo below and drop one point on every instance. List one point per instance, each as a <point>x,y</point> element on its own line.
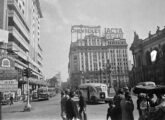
<point>82,60</point>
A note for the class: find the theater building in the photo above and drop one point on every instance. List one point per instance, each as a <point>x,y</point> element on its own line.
<point>149,58</point>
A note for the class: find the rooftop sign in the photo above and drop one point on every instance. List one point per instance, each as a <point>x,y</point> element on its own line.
<point>111,33</point>
<point>85,29</point>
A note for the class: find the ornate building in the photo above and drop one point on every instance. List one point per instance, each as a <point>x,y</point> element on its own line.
<point>96,59</point>
<point>149,58</point>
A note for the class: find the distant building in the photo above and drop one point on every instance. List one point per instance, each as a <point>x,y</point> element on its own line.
<point>130,65</point>
<point>149,58</point>
<point>58,76</point>
<point>21,18</point>
<point>52,82</point>
<point>99,59</point>
<point>64,85</point>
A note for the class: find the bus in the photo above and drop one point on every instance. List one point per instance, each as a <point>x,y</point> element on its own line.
<point>94,92</point>
<point>43,93</point>
<point>52,91</point>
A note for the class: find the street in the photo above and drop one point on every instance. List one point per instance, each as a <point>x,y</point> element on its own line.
<point>50,110</point>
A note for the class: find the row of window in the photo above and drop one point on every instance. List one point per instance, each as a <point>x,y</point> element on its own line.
<point>98,42</point>
<point>113,68</point>
<point>114,51</point>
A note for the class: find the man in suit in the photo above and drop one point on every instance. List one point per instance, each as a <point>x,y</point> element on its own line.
<point>82,105</point>
<point>71,108</point>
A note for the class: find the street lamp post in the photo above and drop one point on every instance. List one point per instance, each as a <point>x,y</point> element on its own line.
<point>108,67</point>
<point>82,77</point>
<point>100,75</point>
<point>28,106</point>
<point>119,76</point>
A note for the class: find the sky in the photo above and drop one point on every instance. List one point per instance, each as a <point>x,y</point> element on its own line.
<point>141,16</point>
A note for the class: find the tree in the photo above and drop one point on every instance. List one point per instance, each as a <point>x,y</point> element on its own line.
<point>52,82</point>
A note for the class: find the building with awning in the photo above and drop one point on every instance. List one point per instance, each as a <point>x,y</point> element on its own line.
<point>20,46</point>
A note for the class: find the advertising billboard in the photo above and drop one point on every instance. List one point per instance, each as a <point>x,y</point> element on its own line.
<point>8,85</point>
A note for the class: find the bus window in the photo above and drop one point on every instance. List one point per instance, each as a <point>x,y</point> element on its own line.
<point>43,93</point>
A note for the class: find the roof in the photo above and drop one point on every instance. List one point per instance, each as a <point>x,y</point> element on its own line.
<point>93,84</point>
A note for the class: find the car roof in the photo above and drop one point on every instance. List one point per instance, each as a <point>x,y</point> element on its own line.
<point>147,83</point>
<point>93,84</point>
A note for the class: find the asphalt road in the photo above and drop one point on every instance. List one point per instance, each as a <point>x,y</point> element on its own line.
<point>50,110</point>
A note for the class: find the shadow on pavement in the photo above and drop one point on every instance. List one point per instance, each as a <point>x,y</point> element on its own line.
<point>99,103</point>
<point>13,111</point>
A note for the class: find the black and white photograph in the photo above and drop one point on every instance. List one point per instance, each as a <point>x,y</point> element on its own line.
<point>82,59</point>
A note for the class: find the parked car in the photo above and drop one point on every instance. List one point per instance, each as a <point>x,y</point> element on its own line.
<point>5,101</point>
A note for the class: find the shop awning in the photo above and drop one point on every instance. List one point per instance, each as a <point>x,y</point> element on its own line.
<point>33,81</point>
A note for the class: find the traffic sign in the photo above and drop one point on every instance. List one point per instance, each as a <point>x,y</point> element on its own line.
<point>8,85</point>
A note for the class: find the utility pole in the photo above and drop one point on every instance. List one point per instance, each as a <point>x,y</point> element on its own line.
<point>109,72</point>
<point>100,71</point>
<point>82,77</point>
<point>28,106</point>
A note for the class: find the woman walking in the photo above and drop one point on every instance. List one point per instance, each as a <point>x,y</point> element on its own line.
<point>127,107</point>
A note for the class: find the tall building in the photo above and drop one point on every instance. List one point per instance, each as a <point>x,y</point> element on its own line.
<point>149,58</point>
<point>99,59</point>
<point>22,19</point>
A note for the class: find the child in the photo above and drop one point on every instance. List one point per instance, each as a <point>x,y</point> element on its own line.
<point>111,110</point>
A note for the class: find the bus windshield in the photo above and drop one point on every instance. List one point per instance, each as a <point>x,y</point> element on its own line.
<point>98,89</point>
<point>42,90</point>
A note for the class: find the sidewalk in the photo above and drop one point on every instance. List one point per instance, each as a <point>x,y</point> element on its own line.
<point>16,107</point>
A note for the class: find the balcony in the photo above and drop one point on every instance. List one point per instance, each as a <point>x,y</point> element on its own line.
<point>13,5</point>
<point>35,66</point>
<point>40,51</point>
<point>19,23</point>
<point>33,63</point>
<point>40,54</point>
<point>17,35</point>
<point>21,53</point>
<point>40,65</point>
<point>39,46</point>
<point>39,58</point>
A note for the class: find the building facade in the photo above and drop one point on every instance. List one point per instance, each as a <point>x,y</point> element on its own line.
<point>149,58</point>
<point>22,19</point>
<point>98,59</point>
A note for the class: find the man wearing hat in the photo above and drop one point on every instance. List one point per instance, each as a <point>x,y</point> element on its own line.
<point>71,108</point>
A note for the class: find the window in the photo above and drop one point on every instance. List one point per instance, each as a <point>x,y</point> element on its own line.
<point>5,62</point>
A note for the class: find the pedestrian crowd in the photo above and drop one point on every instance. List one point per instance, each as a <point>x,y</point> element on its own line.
<point>69,108</point>
<point>149,108</point>
<point>121,107</point>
